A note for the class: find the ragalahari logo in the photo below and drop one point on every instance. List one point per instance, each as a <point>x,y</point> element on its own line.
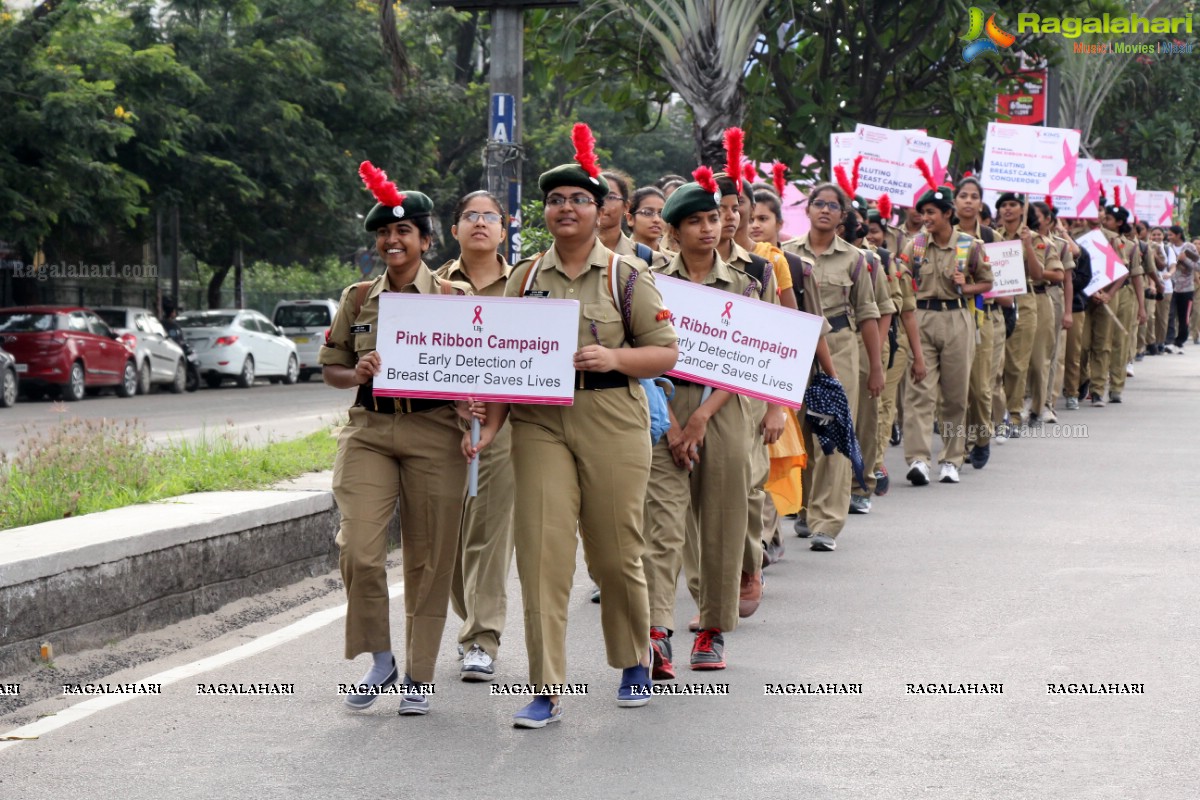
<point>995,37</point>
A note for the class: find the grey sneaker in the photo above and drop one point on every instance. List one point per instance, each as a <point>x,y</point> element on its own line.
<point>708,651</point>
<point>860,504</point>
<point>1072,404</point>
<point>361,702</point>
<point>477,665</point>
<point>823,543</point>
<point>412,704</point>
<point>801,528</point>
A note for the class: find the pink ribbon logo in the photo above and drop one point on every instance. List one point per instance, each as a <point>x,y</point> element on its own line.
<point>938,171</point>
<point>1111,259</point>
<point>478,316</point>
<point>1092,195</point>
<point>1168,210</point>
<point>726,313</point>
<point>1068,170</point>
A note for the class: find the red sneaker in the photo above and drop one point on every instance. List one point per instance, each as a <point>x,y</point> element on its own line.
<point>661,668</point>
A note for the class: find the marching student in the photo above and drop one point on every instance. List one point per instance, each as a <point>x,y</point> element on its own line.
<point>848,302</point>
<point>1018,348</point>
<point>615,211</point>
<point>393,449</point>
<point>1127,297</point>
<point>479,593</point>
<point>645,217</point>
<point>701,467</point>
<point>948,269</point>
<point>1187,261</point>
<point>1097,333</point>
<point>1047,293</point>
<point>1162,312</point>
<point>584,467</point>
<point>1076,325</point>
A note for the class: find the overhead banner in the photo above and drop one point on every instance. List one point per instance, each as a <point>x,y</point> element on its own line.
<point>1026,105</point>
<point>1083,204</point>
<point>740,344</point>
<point>1107,265</point>
<point>1029,159</point>
<point>1155,207</point>
<point>495,349</point>
<point>889,161</point>
<point>1008,269</point>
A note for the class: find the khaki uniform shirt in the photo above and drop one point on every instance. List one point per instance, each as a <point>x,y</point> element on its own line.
<point>739,258</point>
<point>722,276</point>
<point>454,272</point>
<point>879,281</point>
<point>842,291</point>
<point>935,276</point>
<point>1129,252</point>
<point>627,247</point>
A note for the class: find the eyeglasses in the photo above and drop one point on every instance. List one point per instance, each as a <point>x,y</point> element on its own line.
<point>608,198</point>
<point>830,204</point>
<point>490,217</point>
<point>580,200</point>
<point>649,213</point>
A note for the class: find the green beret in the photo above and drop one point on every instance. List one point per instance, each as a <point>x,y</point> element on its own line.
<point>1009,196</point>
<point>415,205</point>
<point>873,215</point>
<point>574,176</point>
<point>859,204</point>
<point>941,197</point>
<point>691,198</point>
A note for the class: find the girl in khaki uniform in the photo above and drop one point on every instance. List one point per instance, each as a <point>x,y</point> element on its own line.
<point>1048,295</point>
<point>585,467</point>
<point>479,594</point>
<point>393,449</point>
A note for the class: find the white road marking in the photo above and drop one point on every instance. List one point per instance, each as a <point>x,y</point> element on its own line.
<point>268,641</point>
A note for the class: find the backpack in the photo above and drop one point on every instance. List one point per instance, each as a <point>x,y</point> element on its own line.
<point>759,269</point>
<point>796,267</point>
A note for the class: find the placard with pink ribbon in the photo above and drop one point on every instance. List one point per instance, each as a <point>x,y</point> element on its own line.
<point>1107,265</point>
<point>1008,269</point>
<point>1128,186</point>
<point>1155,207</point>
<point>1030,159</point>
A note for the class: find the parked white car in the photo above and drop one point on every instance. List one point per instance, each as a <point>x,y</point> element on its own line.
<point>159,360</point>
<point>305,322</point>
<point>239,343</point>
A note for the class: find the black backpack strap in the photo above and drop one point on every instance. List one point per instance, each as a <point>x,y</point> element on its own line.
<point>796,268</point>
<point>759,269</point>
<point>644,253</point>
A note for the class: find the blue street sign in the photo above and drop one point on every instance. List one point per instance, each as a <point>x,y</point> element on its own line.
<point>500,125</point>
<point>514,222</point>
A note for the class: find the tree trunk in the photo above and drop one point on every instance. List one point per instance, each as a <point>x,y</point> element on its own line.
<point>214,286</point>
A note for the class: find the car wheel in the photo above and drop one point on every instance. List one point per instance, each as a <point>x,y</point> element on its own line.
<point>293,371</point>
<point>8,391</point>
<point>143,378</point>
<point>246,379</point>
<point>73,391</point>
<point>306,375</point>
<point>129,381</point>
<point>180,382</point>
<point>213,381</point>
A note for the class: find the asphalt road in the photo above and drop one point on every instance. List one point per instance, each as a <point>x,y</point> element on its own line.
<point>262,411</point>
<point>1067,560</point>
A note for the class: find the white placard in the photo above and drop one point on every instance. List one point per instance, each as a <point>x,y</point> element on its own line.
<point>496,349</point>
<point>1030,159</point>
<point>1085,203</point>
<point>1007,261</point>
<point>1107,265</point>
<point>1128,186</point>
<point>889,161</point>
<point>740,344</point>
<point>842,149</point>
<point>1155,207</point>
<point>1113,168</point>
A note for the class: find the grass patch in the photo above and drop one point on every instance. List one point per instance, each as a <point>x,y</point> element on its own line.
<point>82,466</point>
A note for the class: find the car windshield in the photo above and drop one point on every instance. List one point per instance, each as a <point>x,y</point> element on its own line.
<point>27,321</point>
<point>206,320</point>
<point>114,317</point>
<point>302,316</point>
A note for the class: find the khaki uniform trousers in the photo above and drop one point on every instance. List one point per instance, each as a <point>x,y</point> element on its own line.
<point>826,482</point>
<point>582,467</point>
<point>1018,352</point>
<point>711,498</point>
<point>1073,356</point>
<point>979,392</point>
<point>866,415</point>
<point>1097,347</point>
<point>1040,356</point>
<point>948,344</point>
<point>479,594</point>
<point>1054,371</point>
<point>1162,318</point>
<point>889,401</point>
<point>999,349</point>
<point>414,458</point>
<point>1125,307</point>
<point>1148,328</point>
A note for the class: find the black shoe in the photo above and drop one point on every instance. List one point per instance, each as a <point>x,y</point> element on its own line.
<point>980,455</point>
<point>1085,390</point>
<point>897,434</point>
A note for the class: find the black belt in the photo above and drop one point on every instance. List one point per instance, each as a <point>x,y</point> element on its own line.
<point>838,323</point>
<point>395,405</point>
<point>1040,289</point>
<point>934,304</point>
<point>601,380</point>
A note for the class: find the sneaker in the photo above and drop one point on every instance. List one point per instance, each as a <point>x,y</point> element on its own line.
<point>661,668</point>
<point>412,704</point>
<point>897,435</point>
<point>801,528</point>
<point>1196,340</point>
<point>860,504</point>
<point>595,594</point>
<point>980,455</point>
<point>477,665</point>
<point>1114,397</point>
<point>949,473</point>
<point>1072,404</point>
<point>1168,348</point>
<point>881,482</point>
<point>772,552</point>
<point>708,651</point>
<point>540,712</point>
<point>1001,436</point>
<point>918,473</point>
<point>1014,431</point>
<point>1048,416</point>
<point>1097,401</point>
<point>361,702</point>
<point>823,544</point>
<point>1033,421</point>
<point>694,623</point>
<point>1129,370</point>
<point>635,688</point>
<point>1139,356</point>
<point>750,595</point>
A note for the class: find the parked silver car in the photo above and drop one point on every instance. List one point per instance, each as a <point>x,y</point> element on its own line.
<point>159,360</point>
<point>306,322</point>
<point>239,343</point>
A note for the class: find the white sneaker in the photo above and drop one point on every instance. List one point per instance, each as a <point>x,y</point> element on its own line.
<point>918,473</point>
<point>949,473</point>
<point>477,665</point>
<point>1072,404</point>
<point>1129,370</point>
<point>1048,416</point>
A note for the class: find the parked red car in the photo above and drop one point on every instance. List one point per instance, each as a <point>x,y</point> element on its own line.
<point>68,349</point>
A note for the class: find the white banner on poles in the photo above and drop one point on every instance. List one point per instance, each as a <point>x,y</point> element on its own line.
<point>1030,159</point>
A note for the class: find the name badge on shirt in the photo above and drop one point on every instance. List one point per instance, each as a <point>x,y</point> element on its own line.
<point>361,328</point>
<point>536,293</point>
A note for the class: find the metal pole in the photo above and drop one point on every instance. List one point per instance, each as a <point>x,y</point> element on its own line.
<point>504,155</point>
